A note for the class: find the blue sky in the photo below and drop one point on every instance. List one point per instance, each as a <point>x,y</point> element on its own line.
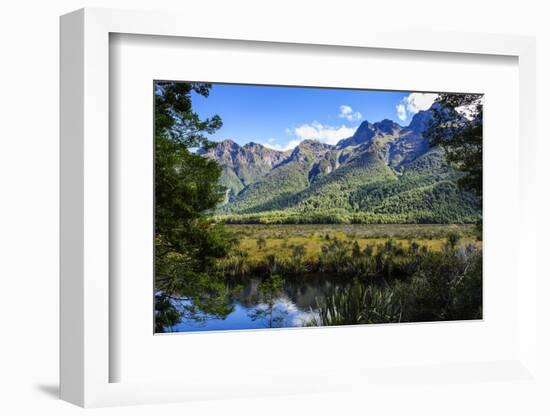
<point>281,117</point>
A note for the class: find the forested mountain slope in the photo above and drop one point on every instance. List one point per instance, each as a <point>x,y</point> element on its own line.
<point>383,173</point>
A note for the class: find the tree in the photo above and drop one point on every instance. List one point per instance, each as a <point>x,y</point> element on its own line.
<point>187,241</point>
<point>460,134</point>
<point>174,116</point>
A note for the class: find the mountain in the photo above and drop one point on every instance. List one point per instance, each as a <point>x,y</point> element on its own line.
<point>242,166</point>
<point>383,173</point>
<point>278,186</point>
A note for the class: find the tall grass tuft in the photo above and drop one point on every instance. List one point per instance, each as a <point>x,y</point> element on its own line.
<point>359,304</point>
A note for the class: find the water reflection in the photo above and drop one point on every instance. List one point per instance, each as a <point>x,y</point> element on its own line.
<point>268,303</point>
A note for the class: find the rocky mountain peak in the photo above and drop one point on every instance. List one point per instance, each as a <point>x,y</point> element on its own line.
<point>420,121</point>
<point>310,150</point>
<point>386,126</point>
<point>256,147</point>
<point>224,150</point>
<point>364,133</point>
<point>313,144</point>
<point>228,144</point>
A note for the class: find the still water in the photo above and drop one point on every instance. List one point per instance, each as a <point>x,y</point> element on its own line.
<point>253,307</point>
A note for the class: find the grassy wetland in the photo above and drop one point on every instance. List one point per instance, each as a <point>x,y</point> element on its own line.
<point>282,239</point>
<point>334,274</point>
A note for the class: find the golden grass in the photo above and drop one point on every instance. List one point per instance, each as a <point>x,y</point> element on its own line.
<point>282,248</point>
<point>280,240</point>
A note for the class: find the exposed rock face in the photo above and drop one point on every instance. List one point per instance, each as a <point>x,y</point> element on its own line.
<point>420,121</point>
<point>261,155</point>
<point>243,165</point>
<point>309,151</point>
<point>364,133</point>
<point>241,159</point>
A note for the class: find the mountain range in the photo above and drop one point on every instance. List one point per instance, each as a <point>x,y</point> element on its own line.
<point>384,173</point>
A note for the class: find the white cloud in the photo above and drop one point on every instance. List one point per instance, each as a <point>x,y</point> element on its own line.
<point>301,318</point>
<point>313,131</point>
<point>418,101</point>
<point>345,109</point>
<point>347,112</point>
<point>401,112</point>
<point>469,111</point>
<point>323,133</point>
<point>276,146</point>
<point>292,144</point>
<point>413,103</point>
<point>271,145</point>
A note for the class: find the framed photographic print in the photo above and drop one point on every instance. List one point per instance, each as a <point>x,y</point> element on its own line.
<point>327,218</point>
<point>285,213</point>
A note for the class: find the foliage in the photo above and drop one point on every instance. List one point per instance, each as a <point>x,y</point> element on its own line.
<point>461,137</point>
<point>174,116</point>
<point>453,238</point>
<point>358,304</point>
<point>453,214</point>
<point>166,313</point>
<point>441,286</point>
<point>187,241</point>
<point>446,286</point>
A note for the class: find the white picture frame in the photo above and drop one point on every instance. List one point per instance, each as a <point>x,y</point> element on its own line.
<point>85,214</point>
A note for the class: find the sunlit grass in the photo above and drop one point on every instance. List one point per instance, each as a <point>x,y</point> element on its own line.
<point>280,240</point>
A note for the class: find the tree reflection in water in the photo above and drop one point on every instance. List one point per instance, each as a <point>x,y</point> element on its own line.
<point>270,310</point>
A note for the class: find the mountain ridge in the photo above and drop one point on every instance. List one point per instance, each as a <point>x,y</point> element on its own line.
<point>383,172</point>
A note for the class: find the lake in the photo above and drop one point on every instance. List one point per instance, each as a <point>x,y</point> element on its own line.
<point>256,306</point>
